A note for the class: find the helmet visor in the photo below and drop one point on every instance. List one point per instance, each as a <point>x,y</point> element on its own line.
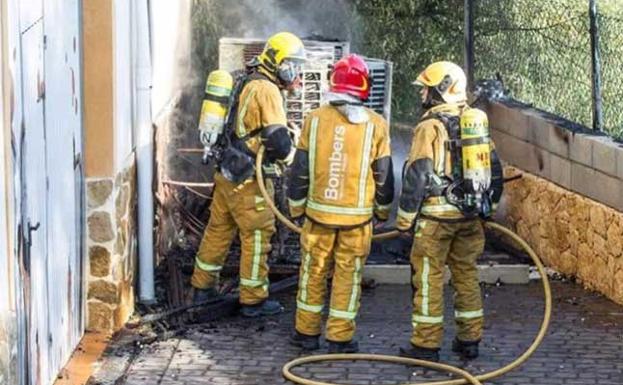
<point>297,55</point>
<point>289,70</point>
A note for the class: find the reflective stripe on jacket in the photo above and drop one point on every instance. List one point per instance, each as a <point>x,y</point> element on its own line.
<point>341,173</point>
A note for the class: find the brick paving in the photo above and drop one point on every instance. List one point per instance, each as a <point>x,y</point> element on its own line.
<point>584,344</point>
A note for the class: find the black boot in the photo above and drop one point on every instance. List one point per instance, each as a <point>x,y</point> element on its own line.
<point>203,295</point>
<point>468,350</point>
<point>420,353</point>
<point>268,307</point>
<point>304,341</point>
<point>343,347</point>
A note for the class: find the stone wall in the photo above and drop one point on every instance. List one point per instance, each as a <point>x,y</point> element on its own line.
<point>575,235</point>
<point>568,205</point>
<point>111,245</point>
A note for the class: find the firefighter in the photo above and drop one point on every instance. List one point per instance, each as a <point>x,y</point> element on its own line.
<point>340,178</point>
<point>448,228</point>
<point>237,204</point>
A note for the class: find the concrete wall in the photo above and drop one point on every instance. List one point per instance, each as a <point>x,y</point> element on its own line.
<point>110,163</point>
<point>576,160</point>
<point>569,203</point>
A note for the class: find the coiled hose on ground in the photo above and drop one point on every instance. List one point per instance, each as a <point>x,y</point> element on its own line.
<point>467,378</point>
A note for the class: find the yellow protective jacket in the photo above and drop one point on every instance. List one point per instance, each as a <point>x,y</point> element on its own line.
<point>260,119</point>
<point>429,166</point>
<point>342,172</point>
<point>260,105</point>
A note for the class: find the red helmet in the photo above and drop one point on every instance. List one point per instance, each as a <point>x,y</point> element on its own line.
<point>350,75</point>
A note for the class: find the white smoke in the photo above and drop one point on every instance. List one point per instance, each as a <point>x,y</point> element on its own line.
<point>262,18</point>
<point>185,40</point>
<point>170,45</point>
<point>185,33</point>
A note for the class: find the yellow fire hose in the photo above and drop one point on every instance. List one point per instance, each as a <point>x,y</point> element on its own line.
<point>467,378</point>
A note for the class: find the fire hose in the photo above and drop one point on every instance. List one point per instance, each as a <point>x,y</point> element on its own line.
<point>467,378</point>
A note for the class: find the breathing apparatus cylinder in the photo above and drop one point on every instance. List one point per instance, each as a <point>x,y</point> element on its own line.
<point>214,109</point>
<point>476,159</point>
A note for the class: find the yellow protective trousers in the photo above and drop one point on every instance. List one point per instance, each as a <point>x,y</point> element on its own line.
<point>244,210</point>
<point>458,245</point>
<point>346,251</point>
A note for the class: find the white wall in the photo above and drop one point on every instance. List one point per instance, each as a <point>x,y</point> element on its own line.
<point>170,33</point>
<point>123,89</point>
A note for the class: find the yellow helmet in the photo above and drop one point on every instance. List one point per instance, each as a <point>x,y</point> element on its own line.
<point>282,56</point>
<point>447,78</point>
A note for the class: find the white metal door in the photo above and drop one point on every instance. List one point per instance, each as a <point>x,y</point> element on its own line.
<point>52,198</point>
<point>62,119</point>
<point>34,202</point>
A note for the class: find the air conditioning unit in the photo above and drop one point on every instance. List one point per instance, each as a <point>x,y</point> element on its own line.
<point>380,99</point>
<point>234,53</point>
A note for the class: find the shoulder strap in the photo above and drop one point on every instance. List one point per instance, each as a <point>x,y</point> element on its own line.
<point>450,122</point>
<point>241,80</point>
<point>453,145</point>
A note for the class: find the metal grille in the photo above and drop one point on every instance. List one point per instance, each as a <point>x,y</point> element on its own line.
<point>252,50</point>
<point>315,83</point>
<point>234,53</point>
<point>339,52</point>
<point>380,92</point>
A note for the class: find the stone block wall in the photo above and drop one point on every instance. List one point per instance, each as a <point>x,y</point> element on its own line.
<point>569,203</point>
<point>575,235</point>
<point>111,247</point>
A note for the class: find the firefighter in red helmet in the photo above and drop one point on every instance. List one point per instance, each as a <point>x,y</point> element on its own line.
<point>341,178</point>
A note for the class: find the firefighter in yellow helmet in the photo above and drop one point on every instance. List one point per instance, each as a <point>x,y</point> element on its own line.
<point>452,178</point>
<point>341,177</point>
<point>258,118</point>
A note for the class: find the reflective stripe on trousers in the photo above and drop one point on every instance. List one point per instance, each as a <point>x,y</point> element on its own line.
<point>345,250</point>
<point>457,244</point>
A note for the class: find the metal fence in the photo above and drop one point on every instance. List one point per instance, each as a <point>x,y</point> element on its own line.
<point>611,43</point>
<point>543,53</point>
